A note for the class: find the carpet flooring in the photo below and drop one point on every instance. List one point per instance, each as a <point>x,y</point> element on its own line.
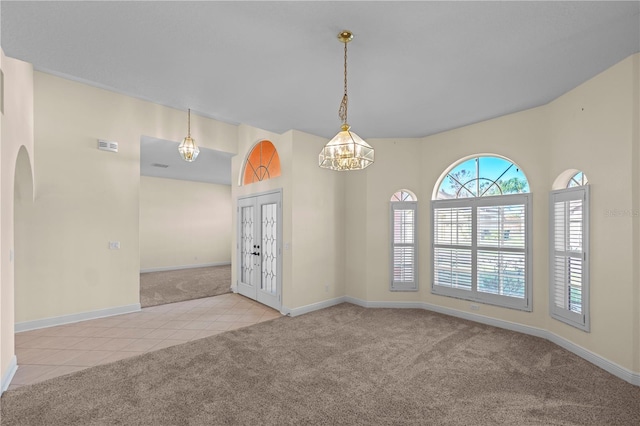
<point>159,288</point>
<point>343,365</point>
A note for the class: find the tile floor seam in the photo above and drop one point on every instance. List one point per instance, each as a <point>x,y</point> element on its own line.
<point>129,335</point>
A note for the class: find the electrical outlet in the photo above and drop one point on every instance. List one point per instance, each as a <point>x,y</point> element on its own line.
<point>114,245</point>
<point>474,307</point>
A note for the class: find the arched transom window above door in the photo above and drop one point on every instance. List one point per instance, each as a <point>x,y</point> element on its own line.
<point>262,163</point>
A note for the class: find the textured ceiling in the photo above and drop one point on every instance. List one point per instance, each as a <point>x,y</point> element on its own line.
<point>415,68</point>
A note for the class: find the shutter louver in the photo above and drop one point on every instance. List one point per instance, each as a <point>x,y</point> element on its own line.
<point>501,250</point>
<point>480,249</point>
<point>568,275</point>
<point>404,249</point>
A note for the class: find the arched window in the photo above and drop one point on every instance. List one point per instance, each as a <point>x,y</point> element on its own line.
<point>579,179</point>
<point>404,241</point>
<point>481,177</point>
<point>262,163</point>
<point>403,195</point>
<point>569,250</point>
<point>481,215</point>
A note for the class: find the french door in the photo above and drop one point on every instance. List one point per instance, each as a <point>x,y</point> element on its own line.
<point>259,248</point>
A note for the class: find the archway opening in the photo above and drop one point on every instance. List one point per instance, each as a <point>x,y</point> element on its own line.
<point>22,233</point>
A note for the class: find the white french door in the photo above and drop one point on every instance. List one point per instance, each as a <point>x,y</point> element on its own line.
<point>259,248</point>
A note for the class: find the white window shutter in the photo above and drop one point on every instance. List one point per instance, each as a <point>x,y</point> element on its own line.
<point>481,249</point>
<point>404,246</point>
<point>569,257</point>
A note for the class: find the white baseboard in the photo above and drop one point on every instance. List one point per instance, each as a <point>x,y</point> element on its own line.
<point>8,375</point>
<point>176,268</point>
<point>605,364</point>
<point>312,307</point>
<point>82,316</point>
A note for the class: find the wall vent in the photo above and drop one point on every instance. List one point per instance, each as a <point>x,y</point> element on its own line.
<point>162,166</point>
<point>107,145</point>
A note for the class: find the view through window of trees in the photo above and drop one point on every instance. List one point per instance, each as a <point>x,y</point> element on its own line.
<point>481,177</point>
<point>579,179</point>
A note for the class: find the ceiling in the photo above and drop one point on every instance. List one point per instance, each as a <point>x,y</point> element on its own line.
<point>415,68</point>
<point>160,158</point>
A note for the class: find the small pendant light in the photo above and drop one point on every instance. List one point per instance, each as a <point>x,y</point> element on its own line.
<point>188,149</point>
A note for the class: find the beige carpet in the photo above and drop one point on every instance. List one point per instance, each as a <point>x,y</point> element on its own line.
<point>343,365</point>
<point>159,288</point>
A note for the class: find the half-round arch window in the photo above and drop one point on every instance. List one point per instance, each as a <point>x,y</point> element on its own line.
<point>482,177</point>
<point>262,163</point>
<point>403,195</point>
<point>579,179</point>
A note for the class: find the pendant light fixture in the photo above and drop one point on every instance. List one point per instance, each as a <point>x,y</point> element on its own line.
<point>346,151</point>
<point>188,149</point>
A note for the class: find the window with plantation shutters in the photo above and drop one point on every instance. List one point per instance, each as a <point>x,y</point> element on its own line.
<point>569,262</point>
<point>404,244</point>
<point>481,216</point>
<point>481,249</point>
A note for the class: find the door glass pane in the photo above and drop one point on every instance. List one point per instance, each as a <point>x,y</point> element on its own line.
<point>246,248</point>
<point>269,248</point>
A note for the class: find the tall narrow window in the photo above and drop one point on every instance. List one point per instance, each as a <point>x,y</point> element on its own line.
<point>481,227</point>
<point>569,260</point>
<point>262,163</point>
<point>404,241</point>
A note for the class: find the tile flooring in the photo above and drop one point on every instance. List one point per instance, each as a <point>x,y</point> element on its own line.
<point>50,352</point>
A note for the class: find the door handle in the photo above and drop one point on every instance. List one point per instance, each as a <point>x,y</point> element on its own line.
<point>255,253</point>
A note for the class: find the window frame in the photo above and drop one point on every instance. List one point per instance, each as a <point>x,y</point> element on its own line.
<point>403,285</point>
<point>473,295</point>
<point>581,321</point>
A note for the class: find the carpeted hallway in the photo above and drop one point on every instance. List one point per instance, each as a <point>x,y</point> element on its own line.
<point>160,288</point>
<point>341,365</point>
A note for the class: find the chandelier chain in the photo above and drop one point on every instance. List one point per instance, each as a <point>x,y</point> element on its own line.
<point>189,123</point>
<point>342,111</point>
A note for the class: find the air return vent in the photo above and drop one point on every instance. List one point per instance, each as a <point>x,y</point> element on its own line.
<point>107,145</point>
<point>162,166</point>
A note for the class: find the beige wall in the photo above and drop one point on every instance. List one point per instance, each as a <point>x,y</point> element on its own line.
<point>183,223</point>
<point>16,136</point>
<point>85,198</point>
<point>635,181</point>
<point>591,128</point>
<point>318,225</point>
<point>356,235</point>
